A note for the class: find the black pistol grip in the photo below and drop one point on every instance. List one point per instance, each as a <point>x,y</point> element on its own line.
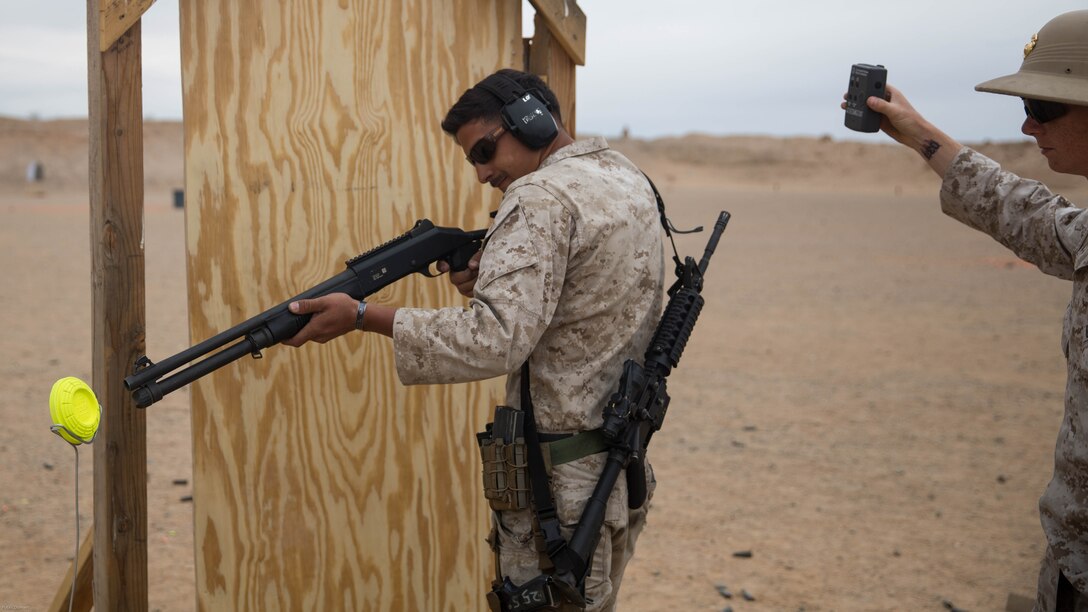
<point>458,260</point>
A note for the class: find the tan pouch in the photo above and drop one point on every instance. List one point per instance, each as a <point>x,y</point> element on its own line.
<point>505,461</point>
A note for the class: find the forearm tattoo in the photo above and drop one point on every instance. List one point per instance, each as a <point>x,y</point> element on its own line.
<point>929,148</point>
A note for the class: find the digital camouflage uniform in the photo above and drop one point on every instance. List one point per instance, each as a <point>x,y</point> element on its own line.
<point>571,277</point>
<point>1047,230</point>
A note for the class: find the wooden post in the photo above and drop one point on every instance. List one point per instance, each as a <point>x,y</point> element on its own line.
<point>116,198</point>
<point>557,47</point>
<point>567,23</point>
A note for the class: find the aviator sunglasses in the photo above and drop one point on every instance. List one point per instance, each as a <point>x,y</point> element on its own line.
<point>1043,111</point>
<point>484,149</point>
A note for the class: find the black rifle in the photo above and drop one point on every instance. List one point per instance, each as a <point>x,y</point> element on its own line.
<point>632,415</point>
<point>368,273</point>
<point>638,407</point>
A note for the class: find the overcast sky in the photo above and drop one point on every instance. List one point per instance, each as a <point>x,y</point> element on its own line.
<point>659,67</point>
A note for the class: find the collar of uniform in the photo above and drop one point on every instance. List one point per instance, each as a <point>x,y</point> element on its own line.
<point>576,148</point>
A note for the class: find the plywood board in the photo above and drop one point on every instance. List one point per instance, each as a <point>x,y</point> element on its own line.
<point>311,134</point>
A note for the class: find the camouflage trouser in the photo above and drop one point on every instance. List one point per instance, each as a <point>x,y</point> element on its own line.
<point>572,484</point>
<point>1050,592</point>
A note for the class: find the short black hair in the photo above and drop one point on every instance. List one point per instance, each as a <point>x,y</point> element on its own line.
<point>478,103</point>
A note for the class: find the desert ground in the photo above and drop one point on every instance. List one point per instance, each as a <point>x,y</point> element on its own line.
<point>866,411</point>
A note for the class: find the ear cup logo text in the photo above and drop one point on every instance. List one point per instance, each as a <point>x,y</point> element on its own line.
<point>531,116</point>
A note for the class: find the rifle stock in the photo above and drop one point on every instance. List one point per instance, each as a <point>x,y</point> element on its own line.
<point>368,273</point>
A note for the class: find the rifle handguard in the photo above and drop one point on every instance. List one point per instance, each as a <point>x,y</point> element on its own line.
<point>675,329</point>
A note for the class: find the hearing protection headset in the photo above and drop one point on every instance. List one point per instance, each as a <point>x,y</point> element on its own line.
<point>523,113</point>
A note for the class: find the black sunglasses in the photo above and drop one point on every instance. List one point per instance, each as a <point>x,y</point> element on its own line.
<point>1043,111</point>
<point>484,149</point>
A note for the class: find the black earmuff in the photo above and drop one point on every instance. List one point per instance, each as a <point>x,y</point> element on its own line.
<point>523,113</point>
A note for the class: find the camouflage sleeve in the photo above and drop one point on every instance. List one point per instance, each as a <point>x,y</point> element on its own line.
<point>1038,225</point>
<point>520,279</point>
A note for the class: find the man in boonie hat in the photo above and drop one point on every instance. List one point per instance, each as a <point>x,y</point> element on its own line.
<point>1042,228</point>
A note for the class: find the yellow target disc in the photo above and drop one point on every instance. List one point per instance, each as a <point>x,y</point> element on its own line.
<point>74,409</point>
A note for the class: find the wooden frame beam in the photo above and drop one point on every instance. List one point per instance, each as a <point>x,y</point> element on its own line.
<point>545,57</point>
<point>115,17</point>
<point>83,564</point>
<point>116,177</point>
<point>567,23</point>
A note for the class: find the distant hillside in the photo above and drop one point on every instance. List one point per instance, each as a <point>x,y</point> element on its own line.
<point>62,148</point>
<point>819,164</point>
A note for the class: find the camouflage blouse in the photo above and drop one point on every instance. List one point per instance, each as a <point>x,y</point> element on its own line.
<point>1045,229</point>
<point>571,278</point>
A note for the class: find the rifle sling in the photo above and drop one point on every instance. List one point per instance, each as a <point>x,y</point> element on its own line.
<point>543,503</point>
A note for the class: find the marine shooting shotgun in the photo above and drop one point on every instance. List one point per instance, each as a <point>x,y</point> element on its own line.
<point>367,273</point>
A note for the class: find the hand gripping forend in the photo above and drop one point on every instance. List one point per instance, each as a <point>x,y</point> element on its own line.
<point>411,252</point>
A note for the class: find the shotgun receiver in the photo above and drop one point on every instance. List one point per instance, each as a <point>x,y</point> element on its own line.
<point>367,273</point>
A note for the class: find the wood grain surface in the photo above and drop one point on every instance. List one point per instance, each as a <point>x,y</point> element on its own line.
<point>116,181</point>
<point>115,17</point>
<point>547,58</point>
<point>312,134</point>
<point>567,23</point>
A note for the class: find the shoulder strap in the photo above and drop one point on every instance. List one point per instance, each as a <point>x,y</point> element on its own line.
<point>542,501</point>
<point>666,223</point>
<point>543,504</point>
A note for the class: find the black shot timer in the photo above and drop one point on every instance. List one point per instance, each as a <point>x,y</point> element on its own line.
<point>865,80</point>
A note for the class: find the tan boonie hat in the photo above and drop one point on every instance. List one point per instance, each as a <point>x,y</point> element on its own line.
<point>1055,64</point>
